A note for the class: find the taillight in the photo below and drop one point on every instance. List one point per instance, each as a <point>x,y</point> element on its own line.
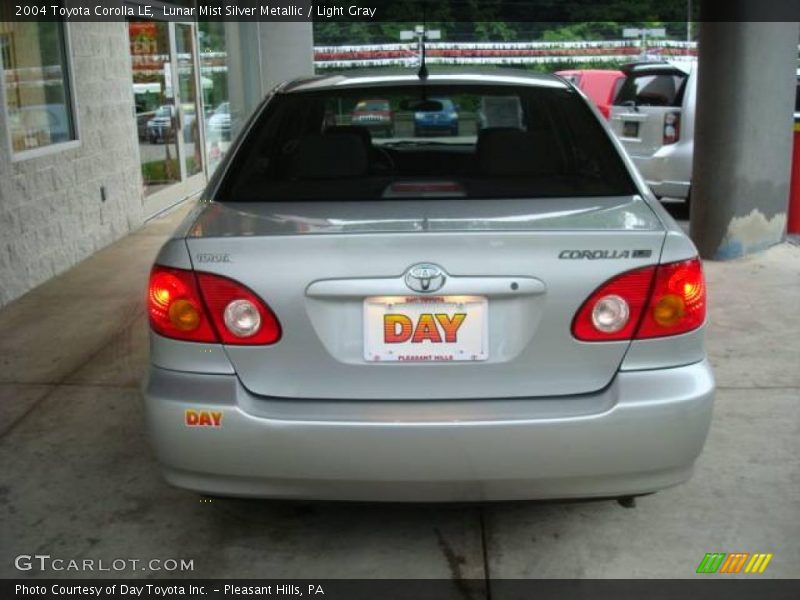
<point>672,128</point>
<point>646,303</point>
<point>678,301</point>
<point>175,307</point>
<point>239,315</point>
<point>591,324</point>
<point>201,307</point>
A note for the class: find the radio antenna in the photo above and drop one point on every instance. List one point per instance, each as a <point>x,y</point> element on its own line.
<point>423,68</point>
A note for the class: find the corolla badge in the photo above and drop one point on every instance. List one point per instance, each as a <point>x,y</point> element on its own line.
<point>425,278</point>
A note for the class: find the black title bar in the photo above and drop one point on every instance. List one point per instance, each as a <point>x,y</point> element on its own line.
<point>417,11</point>
<point>709,587</point>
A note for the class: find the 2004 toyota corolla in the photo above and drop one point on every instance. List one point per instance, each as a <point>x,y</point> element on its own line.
<point>503,314</point>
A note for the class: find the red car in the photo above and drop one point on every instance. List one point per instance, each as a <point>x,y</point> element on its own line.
<point>600,85</point>
<point>375,114</point>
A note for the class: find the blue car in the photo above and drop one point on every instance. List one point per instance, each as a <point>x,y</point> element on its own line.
<point>444,121</point>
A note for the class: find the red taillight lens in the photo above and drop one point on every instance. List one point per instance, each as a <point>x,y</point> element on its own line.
<point>632,287</point>
<point>175,308</point>
<point>201,307</point>
<point>239,315</point>
<point>646,303</point>
<point>678,301</point>
<point>672,128</point>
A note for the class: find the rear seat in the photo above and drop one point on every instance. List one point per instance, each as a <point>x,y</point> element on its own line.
<point>338,156</point>
<point>511,152</point>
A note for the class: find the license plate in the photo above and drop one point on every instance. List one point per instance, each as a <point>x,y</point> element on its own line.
<point>425,328</point>
<point>630,129</point>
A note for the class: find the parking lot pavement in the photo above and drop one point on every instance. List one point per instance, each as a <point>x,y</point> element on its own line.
<point>77,479</point>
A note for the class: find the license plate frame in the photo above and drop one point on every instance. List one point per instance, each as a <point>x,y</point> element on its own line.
<point>471,333</point>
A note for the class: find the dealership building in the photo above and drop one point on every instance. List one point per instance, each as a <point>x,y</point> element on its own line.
<point>105,125</point>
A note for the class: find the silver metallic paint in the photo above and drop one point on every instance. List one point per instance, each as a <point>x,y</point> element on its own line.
<point>645,434</point>
<point>633,431</point>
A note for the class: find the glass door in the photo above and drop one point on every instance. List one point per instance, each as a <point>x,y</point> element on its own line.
<point>190,113</point>
<point>154,99</point>
<point>168,111</point>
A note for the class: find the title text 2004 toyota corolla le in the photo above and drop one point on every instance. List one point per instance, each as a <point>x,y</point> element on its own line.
<point>503,314</point>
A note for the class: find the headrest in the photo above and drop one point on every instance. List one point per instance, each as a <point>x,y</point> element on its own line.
<point>361,132</point>
<point>511,151</point>
<point>329,157</point>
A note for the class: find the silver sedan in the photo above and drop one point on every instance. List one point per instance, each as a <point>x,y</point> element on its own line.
<point>503,313</point>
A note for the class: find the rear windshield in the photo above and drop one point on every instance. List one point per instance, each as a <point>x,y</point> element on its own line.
<point>425,142</point>
<point>663,88</point>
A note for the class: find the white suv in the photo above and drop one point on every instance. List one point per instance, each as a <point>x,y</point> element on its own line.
<point>653,116</point>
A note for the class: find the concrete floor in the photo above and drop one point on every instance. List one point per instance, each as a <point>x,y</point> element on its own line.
<point>77,479</point>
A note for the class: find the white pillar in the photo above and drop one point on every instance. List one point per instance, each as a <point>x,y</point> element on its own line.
<point>261,55</point>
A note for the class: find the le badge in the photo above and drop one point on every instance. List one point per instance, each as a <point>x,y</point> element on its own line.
<point>202,418</point>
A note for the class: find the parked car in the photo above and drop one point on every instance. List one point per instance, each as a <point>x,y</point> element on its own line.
<point>374,114</point>
<point>219,123</point>
<point>653,116</point>
<point>600,85</point>
<point>146,98</point>
<point>143,117</point>
<point>444,120</point>
<point>504,315</point>
<point>160,127</point>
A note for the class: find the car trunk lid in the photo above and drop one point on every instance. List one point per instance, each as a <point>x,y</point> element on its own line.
<point>528,264</point>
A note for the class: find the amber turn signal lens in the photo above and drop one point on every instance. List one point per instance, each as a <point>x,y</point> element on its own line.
<point>669,310</point>
<point>184,316</point>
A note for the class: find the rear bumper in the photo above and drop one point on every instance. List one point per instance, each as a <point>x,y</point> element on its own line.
<point>668,172</point>
<point>380,125</point>
<point>641,434</point>
<point>669,189</point>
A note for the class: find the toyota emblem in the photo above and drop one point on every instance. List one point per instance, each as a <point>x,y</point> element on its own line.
<point>425,278</point>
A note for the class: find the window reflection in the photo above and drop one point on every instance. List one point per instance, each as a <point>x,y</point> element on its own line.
<point>35,77</point>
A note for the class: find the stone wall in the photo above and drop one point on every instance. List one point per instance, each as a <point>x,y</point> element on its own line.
<point>51,210</point>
